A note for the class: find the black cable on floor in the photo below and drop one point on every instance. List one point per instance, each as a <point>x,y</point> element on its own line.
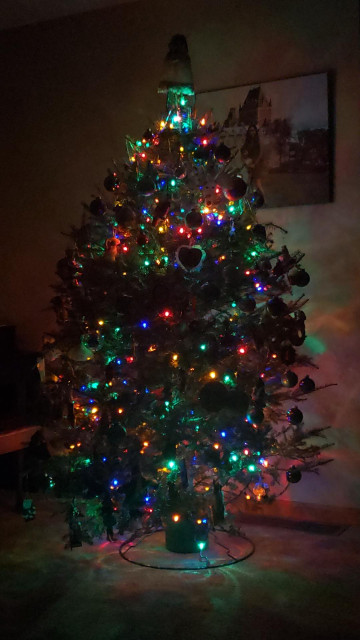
<point>217,566</point>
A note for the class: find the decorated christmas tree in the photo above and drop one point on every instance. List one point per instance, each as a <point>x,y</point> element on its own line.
<point>171,378</point>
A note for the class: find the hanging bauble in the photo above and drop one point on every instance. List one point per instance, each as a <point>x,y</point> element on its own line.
<point>307,385</point>
<point>146,186</point>
<point>190,258</point>
<point>255,415</point>
<point>299,278</point>
<point>202,152</point>
<point>277,307</point>
<point>80,353</point>
<point>209,291</point>
<point>93,341</point>
<point>289,379</point>
<point>160,212</point>
<point>293,475</point>
<point>168,148</point>
<point>238,401</point>
<point>259,232</point>
<point>236,189</point>
<point>111,248</point>
<point>294,416</point>
<point>287,353</point>
<point>97,207</point>
<point>213,396</point>
<point>222,153</point>
<point>111,182</point>
<point>259,490</point>
<point>148,135</point>
<point>297,334</point>
<point>142,239</point>
<point>257,199</point>
<point>247,304</point>
<point>124,215</point>
<point>194,219</point>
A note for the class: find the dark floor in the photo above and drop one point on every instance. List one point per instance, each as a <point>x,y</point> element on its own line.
<point>297,585</point>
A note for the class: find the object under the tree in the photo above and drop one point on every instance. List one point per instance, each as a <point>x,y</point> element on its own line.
<point>28,509</point>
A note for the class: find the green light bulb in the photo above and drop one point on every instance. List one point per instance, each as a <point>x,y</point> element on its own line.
<point>146,263</point>
<point>171,464</point>
<point>251,468</point>
<point>173,183</point>
<point>234,457</point>
<point>201,545</point>
<point>203,347</point>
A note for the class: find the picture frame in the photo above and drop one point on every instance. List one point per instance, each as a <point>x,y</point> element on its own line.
<point>280,135</point>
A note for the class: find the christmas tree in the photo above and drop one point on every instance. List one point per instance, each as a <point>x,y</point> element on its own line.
<point>171,376</point>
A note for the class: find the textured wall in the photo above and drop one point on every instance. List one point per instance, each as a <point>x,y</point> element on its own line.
<point>71,90</point>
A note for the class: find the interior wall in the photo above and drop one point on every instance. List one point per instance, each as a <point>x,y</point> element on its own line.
<point>73,88</point>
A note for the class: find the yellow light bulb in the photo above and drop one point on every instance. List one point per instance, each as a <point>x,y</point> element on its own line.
<point>198,521</point>
<point>175,357</point>
<point>101,322</point>
<point>162,124</point>
<point>202,121</point>
<point>181,149</point>
<point>248,227</point>
<point>212,374</point>
<point>176,517</point>
<point>216,445</point>
<point>120,410</point>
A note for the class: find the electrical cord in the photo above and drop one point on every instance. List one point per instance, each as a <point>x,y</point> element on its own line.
<point>234,560</point>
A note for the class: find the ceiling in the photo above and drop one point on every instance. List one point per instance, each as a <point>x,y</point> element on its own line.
<point>17,13</point>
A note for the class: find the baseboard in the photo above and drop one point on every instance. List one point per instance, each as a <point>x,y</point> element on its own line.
<point>297,511</point>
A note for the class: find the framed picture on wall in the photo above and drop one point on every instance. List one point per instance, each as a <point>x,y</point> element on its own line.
<point>279,135</point>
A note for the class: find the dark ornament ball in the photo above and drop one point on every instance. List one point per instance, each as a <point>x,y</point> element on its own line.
<point>277,307</point>
<point>238,401</point>
<point>222,153</point>
<point>259,233</point>
<point>236,190</point>
<point>202,152</point>
<point>97,207</point>
<point>111,182</point>
<point>124,215</point>
<point>295,416</point>
<point>194,219</point>
<point>299,278</point>
<point>247,304</point>
<point>255,415</point>
<point>297,334</point>
<point>289,379</point>
<point>307,385</point>
<point>257,199</point>
<point>293,475</point>
<point>213,396</point>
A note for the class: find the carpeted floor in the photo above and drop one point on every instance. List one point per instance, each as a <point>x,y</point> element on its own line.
<point>298,584</point>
